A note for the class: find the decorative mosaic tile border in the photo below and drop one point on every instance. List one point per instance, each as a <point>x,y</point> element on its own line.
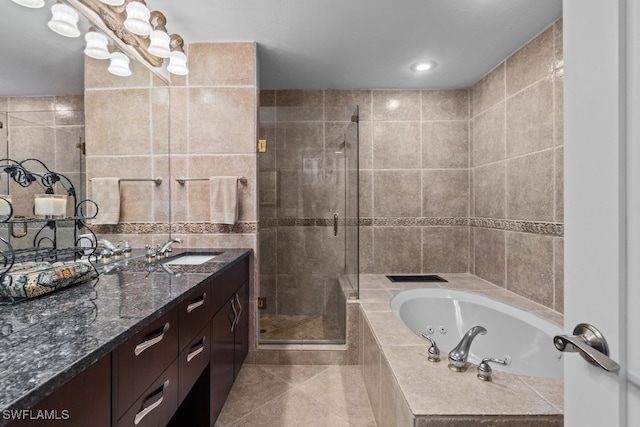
<point>176,227</point>
<point>535,227</point>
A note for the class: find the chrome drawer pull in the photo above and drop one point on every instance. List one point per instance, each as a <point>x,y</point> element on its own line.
<point>197,351</point>
<point>196,304</point>
<point>140,415</point>
<point>153,341</point>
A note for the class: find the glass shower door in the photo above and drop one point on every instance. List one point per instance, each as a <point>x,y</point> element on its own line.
<point>306,224</point>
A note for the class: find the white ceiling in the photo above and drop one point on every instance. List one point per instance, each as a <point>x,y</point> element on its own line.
<point>310,44</point>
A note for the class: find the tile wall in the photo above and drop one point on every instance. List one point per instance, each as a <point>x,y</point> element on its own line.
<point>45,128</point>
<point>302,185</point>
<point>127,134</point>
<point>517,172</point>
<point>465,180</point>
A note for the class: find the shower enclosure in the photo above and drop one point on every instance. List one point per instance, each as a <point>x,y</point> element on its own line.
<point>308,222</point>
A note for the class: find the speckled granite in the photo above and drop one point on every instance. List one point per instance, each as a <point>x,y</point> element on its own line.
<point>46,341</point>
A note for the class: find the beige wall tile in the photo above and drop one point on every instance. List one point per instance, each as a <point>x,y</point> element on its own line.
<point>396,193</point>
<point>445,249</point>
<point>396,105</point>
<point>445,144</point>
<point>397,250</point>
<point>533,62</point>
<point>96,75</point>
<point>530,119</point>
<point>68,158</point>
<point>32,142</point>
<point>445,104</point>
<point>489,137</point>
<point>396,145</point>
<point>530,266</point>
<point>267,98</point>
<point>222,64</point>
<point>220,120</point>
<point>530,184</point>
<point>366,250</point>
<point>119,123</point>
<point>559,184</point>
<point>489,255</point>
<point>445,193</point>
<point>365,198</point>
<point>490,190</point>
<point>179,120</point>
<point>179,194</point>
<point>371,370</point>
<point>160,119</point>
<point>490,90</point>
<point>299,98</point>
<point>558,302</point>
<point>338,104</point>
<point>365,145</point>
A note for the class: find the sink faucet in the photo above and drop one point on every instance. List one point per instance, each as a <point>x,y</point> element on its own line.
<point>459,355</point>
<point>166,248</point>
<point>109,248</point>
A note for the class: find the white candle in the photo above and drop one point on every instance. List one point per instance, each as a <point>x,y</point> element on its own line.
<point>5,208</point>
<point>50,205</point>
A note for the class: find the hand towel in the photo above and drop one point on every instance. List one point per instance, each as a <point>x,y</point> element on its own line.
<point>106,194</point>
<point>223,191</point>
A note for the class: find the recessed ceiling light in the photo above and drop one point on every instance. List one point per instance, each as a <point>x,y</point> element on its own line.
<point>423,66</point>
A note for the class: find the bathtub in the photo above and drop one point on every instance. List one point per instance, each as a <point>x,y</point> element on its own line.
<point>445,315</point>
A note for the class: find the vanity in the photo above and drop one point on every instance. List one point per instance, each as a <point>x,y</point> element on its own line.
<point>143,344</point>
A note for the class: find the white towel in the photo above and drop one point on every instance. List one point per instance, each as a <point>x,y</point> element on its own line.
<point>106,193</point>
<point>223,191</point>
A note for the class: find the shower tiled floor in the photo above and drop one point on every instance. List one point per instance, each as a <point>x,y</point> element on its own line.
<point>278,327</point>
<point>298,395</point>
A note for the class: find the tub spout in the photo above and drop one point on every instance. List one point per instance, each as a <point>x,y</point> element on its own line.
<point>459,355</point>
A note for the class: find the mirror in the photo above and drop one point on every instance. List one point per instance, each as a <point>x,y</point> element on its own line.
<point>46,114</point>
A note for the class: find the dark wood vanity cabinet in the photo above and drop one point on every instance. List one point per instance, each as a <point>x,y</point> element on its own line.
<point>229,335</point>
<point>178,370</point>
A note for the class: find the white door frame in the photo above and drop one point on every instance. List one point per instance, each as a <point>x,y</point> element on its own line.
<point>602,204</point>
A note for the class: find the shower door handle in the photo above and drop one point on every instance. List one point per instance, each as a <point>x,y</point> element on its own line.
<point>335,224</point>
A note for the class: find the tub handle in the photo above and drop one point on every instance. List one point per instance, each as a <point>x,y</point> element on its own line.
<point>590,343</point>
<point>434,351</point>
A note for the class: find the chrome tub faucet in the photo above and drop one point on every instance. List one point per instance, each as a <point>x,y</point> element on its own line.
<point>459,355</point>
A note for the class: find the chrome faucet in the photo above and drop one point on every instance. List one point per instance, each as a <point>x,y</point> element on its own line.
<point>166,248</point>
<point>459,355</point>
<point>109,248</point>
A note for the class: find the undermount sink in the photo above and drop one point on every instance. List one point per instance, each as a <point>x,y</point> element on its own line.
<point>192,259</point>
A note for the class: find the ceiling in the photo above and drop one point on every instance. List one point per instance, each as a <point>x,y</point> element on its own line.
<point>312,44</point>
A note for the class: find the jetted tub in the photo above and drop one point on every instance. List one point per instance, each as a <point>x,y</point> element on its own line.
<point>445,315</point>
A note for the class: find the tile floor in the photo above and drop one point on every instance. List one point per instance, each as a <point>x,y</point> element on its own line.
<point>278,327</point>
<point>298,395</point>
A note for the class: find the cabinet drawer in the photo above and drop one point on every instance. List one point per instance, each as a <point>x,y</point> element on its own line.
<point>141,359</point>
<point>193,361</point>
<point>195,312</point>
<point>157,404</point>
<point>224,286</point>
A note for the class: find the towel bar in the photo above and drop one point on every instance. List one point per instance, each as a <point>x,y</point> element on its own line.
<point>158,180</point>
<point>182,180</point>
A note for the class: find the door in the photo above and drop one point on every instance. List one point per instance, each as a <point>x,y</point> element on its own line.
<point>602,205</point>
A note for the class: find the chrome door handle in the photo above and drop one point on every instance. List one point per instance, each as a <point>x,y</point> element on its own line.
<point>197,351</point>
<point>196,304</point>
<point>591,345</point>
<point>335,224</point>
<point>153,341</point>
<point>140,415</point>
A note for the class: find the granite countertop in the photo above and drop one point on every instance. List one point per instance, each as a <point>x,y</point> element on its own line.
<point>46,341</point>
